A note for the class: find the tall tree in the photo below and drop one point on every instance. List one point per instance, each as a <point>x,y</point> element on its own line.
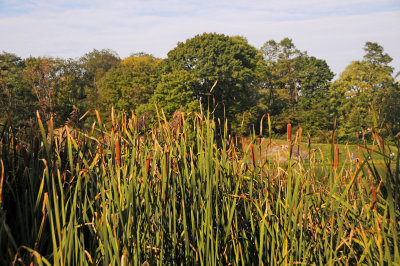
<point>294,86</point>
<point>16,99</point>
<point>69,89</point>
<point>229,61</point>
<point>364,88</point>
<point>314,85</point>
<point>39,74</point>
<point>130,84</point>
<point>95,65</point>
<point>174,92</point>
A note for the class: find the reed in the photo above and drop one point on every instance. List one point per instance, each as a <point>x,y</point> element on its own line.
<point>186,196</point>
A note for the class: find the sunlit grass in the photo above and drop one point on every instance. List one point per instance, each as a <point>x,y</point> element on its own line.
<point>189,195</point>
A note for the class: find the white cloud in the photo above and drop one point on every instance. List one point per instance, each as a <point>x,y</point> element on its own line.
<point>331,30</point>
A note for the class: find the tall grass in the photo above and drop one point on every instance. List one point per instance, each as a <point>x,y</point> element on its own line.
<point>188,195</point>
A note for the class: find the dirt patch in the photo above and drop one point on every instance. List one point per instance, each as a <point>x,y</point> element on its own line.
<point>275,151</point>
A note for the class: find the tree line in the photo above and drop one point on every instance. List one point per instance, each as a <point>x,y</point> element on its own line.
<point>223,74</point>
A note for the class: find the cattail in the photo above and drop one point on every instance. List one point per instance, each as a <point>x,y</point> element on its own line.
<point>1,179</point>
<point>166,162</point>
<point>336,158</point>
<point>175,166</point>
<point>36,147</point>
<point>299,132</point>
<point>253,155</point>
<point>148,165</point>
<point>117,152</point>
<point>289,132</point>
<point>309,145</point>
<point>373,192</point>
<point>24,156</point>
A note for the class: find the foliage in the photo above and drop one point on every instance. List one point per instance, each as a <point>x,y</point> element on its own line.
<point>40,76</point>
<point>174,92</point>
<point>69,89</point>
<point>229,63</point>
<point>130,84</point>
<point>16,100</point>
<point>360,91</point>
<point>295,87</point>
<point>226,75</point>
<point>116,197</point>
<point>95,65</point>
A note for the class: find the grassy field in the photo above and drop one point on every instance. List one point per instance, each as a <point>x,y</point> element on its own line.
<point>187,195</point>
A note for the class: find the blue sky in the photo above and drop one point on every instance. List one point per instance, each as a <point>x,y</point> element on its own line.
<point>332,30</point>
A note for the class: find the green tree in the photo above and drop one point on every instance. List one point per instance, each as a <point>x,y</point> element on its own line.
<point>40,76</point>
<point>364,88</point>
<point>130,84</point>
<point>175,92</point>
<point>314,85</point>
<point>69,89</point>
<point>16,99</point>
<point>295,86</point>
<point>57,86</point>
<point>95,65</point>
<point>229,61</point>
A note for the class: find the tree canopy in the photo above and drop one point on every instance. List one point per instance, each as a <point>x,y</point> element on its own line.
<point>224,74</point>
<point>228,62</point>
<point>295,86</point>
<point>130,84</point>
<point>366,88</point>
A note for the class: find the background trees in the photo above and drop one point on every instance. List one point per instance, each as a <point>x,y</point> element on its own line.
<point>129,84</point>
<point>15,100</point>
<point>229,61</point>
<point>295,87</point>
<point>225,74</point>
<point>366,88</point>
<point>95,65</point>
<point>40,77</point>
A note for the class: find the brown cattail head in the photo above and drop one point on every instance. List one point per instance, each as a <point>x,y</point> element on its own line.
<point>336,158</point>
<point>24,155</point>
<point>373,192</point>
<point>166,162</point>
<point>253,155</point>
<point>289,132</point>
<point>175,166</point>
<point>36,147</point>
<point>117,152</point>
<point>148,165</point>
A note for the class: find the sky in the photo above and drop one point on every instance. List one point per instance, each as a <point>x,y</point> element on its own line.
<point>333,30</point>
